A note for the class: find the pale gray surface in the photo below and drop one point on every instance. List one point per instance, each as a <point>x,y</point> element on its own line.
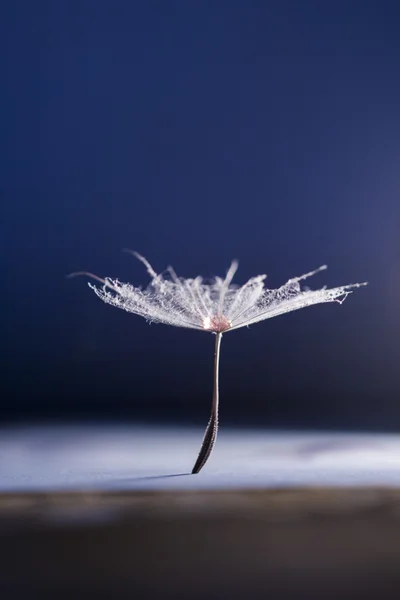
<point>115,457</point>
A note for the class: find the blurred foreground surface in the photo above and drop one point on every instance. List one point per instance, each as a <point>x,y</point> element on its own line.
<point>109,512</point>
<point>135,457</point>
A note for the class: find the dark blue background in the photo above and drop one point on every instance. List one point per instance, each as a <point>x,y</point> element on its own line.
<point>198,132</point>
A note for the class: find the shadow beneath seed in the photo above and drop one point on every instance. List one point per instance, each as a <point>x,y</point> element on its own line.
<point>150,477</point>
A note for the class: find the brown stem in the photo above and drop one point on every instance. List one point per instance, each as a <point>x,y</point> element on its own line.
<point>212,428</point>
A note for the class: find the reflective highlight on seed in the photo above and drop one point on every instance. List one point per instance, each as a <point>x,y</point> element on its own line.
<point>217,324</point>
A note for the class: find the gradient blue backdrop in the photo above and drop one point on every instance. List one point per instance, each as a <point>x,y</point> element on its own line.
<point>198,132</point>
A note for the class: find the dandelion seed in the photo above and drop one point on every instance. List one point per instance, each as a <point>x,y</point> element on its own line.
<point>216,306</point>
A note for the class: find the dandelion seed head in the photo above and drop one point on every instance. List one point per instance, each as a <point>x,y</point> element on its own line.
<point>215,306</point>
